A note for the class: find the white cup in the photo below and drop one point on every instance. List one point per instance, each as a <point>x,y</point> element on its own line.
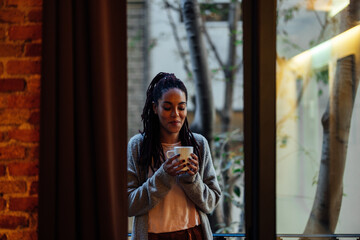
<point>184,152</point>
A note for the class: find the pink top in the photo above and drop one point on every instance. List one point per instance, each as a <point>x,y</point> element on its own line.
<point>176,211</point>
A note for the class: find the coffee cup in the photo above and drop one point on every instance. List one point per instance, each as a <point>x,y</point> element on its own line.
<point>185,153</point>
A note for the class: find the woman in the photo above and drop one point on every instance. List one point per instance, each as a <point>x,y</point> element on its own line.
<point>169,203</point>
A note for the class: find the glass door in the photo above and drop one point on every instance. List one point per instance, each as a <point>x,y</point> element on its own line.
<point>318,116</point>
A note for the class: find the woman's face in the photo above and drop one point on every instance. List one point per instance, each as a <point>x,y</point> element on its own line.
<point>172,111</point>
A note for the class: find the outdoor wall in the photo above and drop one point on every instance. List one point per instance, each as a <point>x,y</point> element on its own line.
<point>20,69</point>
<point>137,63</point>
<point>137,66</point>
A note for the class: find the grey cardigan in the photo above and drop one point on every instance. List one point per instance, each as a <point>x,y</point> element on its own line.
<point>143,194</point>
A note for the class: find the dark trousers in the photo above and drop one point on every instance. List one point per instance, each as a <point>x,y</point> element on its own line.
<point>194,233</point>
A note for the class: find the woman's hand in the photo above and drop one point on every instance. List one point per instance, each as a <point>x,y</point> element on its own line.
<point>193,164</point>
<point>173,166</point>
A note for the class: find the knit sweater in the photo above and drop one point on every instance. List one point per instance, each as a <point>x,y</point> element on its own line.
<point>143,194</point>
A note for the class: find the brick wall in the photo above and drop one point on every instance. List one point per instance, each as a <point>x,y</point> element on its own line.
<point>20,66</point>
<point>137,63</point>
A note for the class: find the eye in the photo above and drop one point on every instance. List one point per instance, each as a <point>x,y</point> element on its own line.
<point>166,108</point>
<point>182,107</point>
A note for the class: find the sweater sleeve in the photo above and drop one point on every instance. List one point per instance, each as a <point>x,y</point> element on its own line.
<point>203,188</point>
<point>144,196</point>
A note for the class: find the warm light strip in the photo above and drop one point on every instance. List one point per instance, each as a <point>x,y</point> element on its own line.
<point>325,47</point>
<point>338,6</point>
<point>333,7</point>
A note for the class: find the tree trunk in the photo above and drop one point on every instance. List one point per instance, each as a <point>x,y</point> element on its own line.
<point>204,107</point>
<point>230,75</point>
<point>230,68</point>
<point>336,125</point>
<point>205,112</point>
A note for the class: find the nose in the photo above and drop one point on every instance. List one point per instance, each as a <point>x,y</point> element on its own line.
<point>174,113</point>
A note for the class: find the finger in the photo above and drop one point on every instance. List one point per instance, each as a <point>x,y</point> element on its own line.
<point>180,166</point>
<point>174,157</point>
<point>169,161</point>
<point>170,172</point>
<point>193,155</point>
<point>174,171</point>
<point>194,162</point>
<point>179,170</point>
<point>167,168</point>
<point>170,167</point>
<point>179,163</point>
<point>191,172</point>
<point>192,167</point>
<point>176,165</point>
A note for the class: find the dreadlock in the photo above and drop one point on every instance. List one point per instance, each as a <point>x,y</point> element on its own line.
<point>151,151</point>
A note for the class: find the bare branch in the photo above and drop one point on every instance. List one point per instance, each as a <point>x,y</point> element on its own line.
<point>230,70</point>
<point>177,40</point>
<point>318,18</point>
<point>297,103</point>
<point>213,48</point>
<point>171,6</point>
<point>240,65</point>
<point>232,180</point>
<point>321,35</point>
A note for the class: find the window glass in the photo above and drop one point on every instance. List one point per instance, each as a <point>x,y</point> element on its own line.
<point>157,42</point>
<point>318,116</point>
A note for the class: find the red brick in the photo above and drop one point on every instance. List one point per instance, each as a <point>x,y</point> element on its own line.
<point>34,118</point>
<point>2,170</point>
<point>4,100</point>
<point>34,84</point>
<point>1,68</point>
<point>24,135</point>
<point>34,188</point>
<point>14,116</point>
<point>15,67</point>
<point>10,50</point>
<point>13,222</point>
<point>33,153</point>
<point>30,32</point>
<point>33,50</point>
<point>23,204</point>
<point>11,15</point>
<point>12,187</point>
<point>12,152</point>
<point>23,169</point>
<point>22,235</point>
<point>25,3</point>
<point>35,15</point>
<point>12,84</point>
<point>2,32</point>
<point>2,204</point>
<point>24,101</point>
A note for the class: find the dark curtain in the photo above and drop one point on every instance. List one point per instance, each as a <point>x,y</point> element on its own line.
<point>83,133</point>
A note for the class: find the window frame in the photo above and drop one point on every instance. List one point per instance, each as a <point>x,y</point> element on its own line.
<point>259,25</point>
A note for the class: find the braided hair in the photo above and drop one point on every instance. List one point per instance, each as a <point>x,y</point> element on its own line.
<point>151,151</point>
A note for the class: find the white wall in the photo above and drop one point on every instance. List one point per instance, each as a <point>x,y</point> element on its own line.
<point>165,57</point>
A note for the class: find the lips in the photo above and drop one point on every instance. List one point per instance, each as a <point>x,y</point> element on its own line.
<point>175,122</point>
